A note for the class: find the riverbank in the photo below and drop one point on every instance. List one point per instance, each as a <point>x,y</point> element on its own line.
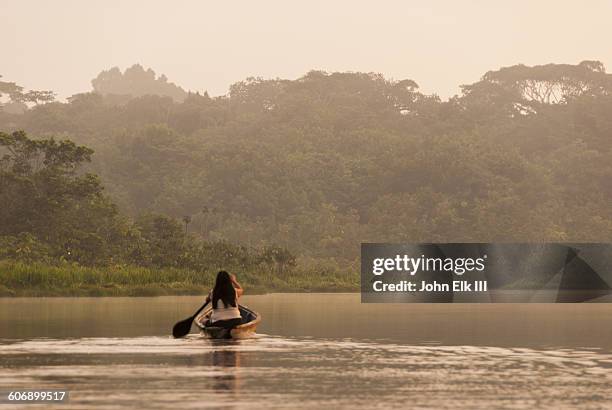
<point>21,279</point>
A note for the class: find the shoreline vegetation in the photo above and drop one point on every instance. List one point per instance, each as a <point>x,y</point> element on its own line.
<point>18,279</point>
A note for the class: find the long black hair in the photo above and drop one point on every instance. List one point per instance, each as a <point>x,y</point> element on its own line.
<point>223,290</point>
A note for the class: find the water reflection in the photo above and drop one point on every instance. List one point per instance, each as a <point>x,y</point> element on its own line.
<point>227,379</point>
<point>279,372</point>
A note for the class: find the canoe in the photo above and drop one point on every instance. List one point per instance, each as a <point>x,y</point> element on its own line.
<point>250,320</point>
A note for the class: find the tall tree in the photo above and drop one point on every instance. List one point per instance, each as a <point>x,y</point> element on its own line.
<point>135,81</point>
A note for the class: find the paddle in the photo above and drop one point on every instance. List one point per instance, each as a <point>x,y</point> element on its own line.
<point>184,326</point>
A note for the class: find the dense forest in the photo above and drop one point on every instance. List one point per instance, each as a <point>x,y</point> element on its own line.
<point>299,172</point>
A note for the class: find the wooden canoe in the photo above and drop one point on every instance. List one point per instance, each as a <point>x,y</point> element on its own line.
<point>250,320</point>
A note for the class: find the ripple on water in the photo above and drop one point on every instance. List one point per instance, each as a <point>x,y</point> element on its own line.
<point>269,372</point>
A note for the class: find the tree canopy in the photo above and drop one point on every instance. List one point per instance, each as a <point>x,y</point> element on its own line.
<point>18,98</point>
<point>135,81</point>
<point>321,163</point>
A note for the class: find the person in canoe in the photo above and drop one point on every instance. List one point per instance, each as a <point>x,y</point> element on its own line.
<point>224,297</point>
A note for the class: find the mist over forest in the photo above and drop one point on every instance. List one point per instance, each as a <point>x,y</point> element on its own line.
<point>311,167</point>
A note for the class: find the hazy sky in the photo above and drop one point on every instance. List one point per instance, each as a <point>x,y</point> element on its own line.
<point>207,45</point>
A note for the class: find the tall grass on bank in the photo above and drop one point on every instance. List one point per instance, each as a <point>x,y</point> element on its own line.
<point>37,279</point>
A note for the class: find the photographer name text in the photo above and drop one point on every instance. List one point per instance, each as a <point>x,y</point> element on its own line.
<point>424,286</point>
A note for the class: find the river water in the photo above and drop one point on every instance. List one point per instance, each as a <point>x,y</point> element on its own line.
<point>311,351</point>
